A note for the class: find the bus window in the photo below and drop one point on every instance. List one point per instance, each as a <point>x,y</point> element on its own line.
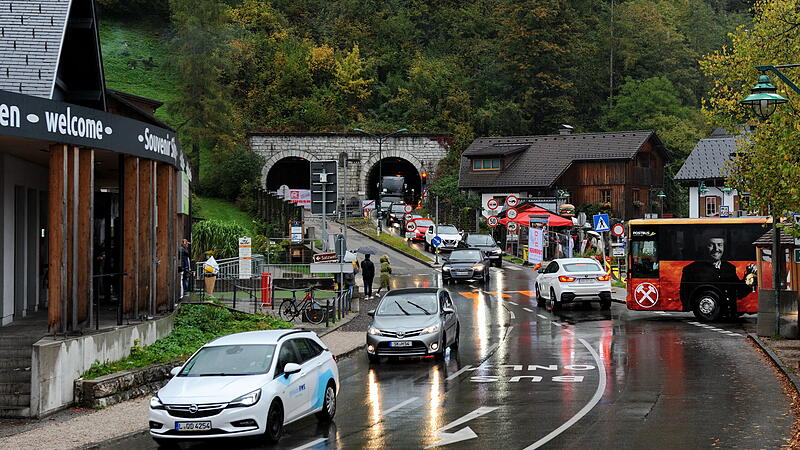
<point>644,260</point>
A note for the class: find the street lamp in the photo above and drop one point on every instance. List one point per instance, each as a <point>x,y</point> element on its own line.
<point>661,195</point>
<point>380,139</point>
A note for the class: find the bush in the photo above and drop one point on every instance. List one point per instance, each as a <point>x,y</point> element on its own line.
<point>221,238</point>
<point>230,173</point>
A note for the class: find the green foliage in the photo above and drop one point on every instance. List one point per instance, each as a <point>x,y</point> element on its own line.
<point>231,172</point>
<point>447,188</point>
<point>224,211</point>
<point>221,238</point>
<point>195,325</point>
<point>133,8</point>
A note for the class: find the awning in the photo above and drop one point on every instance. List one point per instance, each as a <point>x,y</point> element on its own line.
<point>524,213</point>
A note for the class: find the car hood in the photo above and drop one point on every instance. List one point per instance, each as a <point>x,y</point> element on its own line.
<point>403,323</point>
<point>209,389</point>
<point>450,236</point>
<point>486,248</point>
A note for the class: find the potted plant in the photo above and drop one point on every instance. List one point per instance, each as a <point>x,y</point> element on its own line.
<point>638,203</point>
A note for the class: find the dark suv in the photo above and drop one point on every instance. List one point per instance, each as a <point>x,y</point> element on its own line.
<point>487,244</point>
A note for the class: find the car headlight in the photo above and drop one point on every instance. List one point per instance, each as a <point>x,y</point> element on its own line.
<point>430,329</point>
<point>375,331</point>
<point>497,252</point>
<point>155,403</point>
<point>446,268</point>
<point>477,267</point>
<point>249,399</point>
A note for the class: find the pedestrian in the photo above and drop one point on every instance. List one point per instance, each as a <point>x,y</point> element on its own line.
<point>367,274</point>
<point>185,266</point>
<point>349,279</point>
<point>386,272</point>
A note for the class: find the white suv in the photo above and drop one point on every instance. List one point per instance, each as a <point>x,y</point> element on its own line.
<point>247,384</point>
<point>573,279</point>
<point>449,234</point>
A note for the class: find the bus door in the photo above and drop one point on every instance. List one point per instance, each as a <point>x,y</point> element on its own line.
<point>643,269</point>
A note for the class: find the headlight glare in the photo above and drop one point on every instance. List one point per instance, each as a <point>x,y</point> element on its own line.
<point>477,267</point>
<point>446,268</point>
<point>374,331</point>
<point>430,329</point>
<point>155,403</point>
<point>249,399</point>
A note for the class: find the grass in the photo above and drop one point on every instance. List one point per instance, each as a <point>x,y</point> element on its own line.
<point>513,259</point>
<point>195,325</point>
<point>396,242</point>
<point>619,284</point>
<point>224,211</point>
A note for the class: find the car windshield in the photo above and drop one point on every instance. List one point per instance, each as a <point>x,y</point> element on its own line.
<point>386,204</point>
<point>398,208</point>
<point>481,240</point>
<point>447,229</point>
<point>423,222</point>
<point>582,267</point>
<point>408,305</point>
<point>465,256</point>
<point>229,360</point>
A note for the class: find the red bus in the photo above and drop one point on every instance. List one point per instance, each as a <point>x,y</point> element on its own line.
<point>707,266</point>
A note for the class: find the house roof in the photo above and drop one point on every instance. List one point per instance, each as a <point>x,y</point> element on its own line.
<point>766,238</point>
<point>709,159</point>
<point>498,150</point>
<point>547,157</point>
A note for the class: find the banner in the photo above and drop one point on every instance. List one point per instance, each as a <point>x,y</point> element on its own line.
<point>301,197</point>
<point>535,245</point>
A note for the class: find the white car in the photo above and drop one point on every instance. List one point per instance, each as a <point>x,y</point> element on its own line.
<point>450,235</point>
<point>247,384</point>
<point>570,280</point>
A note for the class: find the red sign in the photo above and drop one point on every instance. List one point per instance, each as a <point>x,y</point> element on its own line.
<point>408,217</point>
<point>492,204</point>
<point>493,221</point>
<point>512,226</point>
<point>511,213</point>
<point>646,295</point>
<point>512,201</point>
<point>408,208</point>
<point>324,257</point>
<point>411,226</point>
<point>618,229</point>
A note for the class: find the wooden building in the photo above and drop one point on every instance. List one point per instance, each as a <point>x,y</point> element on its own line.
<point>624,171</point>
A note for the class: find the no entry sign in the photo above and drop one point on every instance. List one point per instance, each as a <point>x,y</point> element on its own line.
<point>492,204</point>
<point>512,201</point>
<point>511,213</point>
<point>493,221</point>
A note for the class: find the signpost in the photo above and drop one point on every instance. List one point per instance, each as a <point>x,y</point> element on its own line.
<point>618,249</point>
<point>245,258</point>
<point>512,201</point>
<point>492,204</point>
<point>410,228</point>
<point>601,226</point>
<point>436,241</point>
<point>408,209</point>
<point>324,257</point>
<point>618,230</point>
<point>323,191</point>
<point>511,213</point>
<point>493,221</point>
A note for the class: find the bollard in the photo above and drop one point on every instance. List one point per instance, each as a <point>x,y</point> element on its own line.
<point>327,308</point>
<point>234,295</point>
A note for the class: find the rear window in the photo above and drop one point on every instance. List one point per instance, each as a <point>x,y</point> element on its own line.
<point>582,267</point>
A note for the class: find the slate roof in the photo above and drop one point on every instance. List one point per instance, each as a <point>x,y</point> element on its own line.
<point>547,157</point>
<point>709,159</point>
<point>766,238</point>
<point>31,34</point>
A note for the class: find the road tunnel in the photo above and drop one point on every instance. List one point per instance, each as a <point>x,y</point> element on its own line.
<point>395,167</point>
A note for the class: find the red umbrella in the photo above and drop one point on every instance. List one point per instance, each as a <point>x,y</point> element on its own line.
<point>524,217</point>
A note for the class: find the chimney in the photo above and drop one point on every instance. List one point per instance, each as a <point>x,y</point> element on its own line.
<point>565,129</point>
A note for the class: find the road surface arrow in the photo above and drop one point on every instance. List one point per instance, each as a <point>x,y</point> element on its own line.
<point>463,434</point>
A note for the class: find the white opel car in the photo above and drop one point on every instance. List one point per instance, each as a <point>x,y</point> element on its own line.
<point>247,384</point>
<point>571,280</point>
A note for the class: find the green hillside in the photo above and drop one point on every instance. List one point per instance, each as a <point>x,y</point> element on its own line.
<point>135,56</point>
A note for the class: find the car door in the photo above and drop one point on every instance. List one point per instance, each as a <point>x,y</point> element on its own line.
<point>312,365</point>
<point>449,321</point>
<point>547,278</point>
<point>294,391</point>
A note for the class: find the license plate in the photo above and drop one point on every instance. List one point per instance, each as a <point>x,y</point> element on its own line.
<point>400,344</point>
<point>192,426</point>
<point>585,280</point>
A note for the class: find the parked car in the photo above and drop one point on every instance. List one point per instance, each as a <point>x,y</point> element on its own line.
<point>487,244</point>
<point>422,225</point>
<point>449,234</point>
<point>570,280</point>
<point>413,322</point>
<point>466,264</point>
<point>396,213</point>
<point>247,384</point>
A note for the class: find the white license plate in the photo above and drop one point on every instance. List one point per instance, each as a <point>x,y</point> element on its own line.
<point>410,235</point>
<point>585,280</point>
<point>192,426</point>
<point>400,344</point>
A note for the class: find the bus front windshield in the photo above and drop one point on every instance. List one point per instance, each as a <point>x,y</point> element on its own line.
<point>644,258</point>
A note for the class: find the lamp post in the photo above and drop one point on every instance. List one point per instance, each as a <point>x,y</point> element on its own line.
<point>661,196</point>
<point>380,139</point>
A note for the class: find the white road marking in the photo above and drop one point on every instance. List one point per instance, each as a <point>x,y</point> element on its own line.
<point>513,268</point>
<point>513,316</point>
<point>464,433</point>
<point>601,386</point>
<point>398,406</point>
<point>311,444</point>
<point>528,309</point>
<point>455,375</point>
<point>542,316</point>
<point>513,303</point>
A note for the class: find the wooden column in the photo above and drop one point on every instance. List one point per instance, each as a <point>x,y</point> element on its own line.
<point>147,255</point>
<point>85,230</point>
<point>130,235</point>
<point>163,244</point>
<point>73,175</point>
<point>57,256</point>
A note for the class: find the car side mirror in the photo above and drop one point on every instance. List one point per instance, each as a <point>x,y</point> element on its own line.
<point>540,270</point>
<point>445,258</point>
<point>291,368</point>
<point>446,311</point>
<point>371,313</point>
<point>175,371</point>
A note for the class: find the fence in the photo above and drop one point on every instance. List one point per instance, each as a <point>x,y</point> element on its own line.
<point>273,209</point>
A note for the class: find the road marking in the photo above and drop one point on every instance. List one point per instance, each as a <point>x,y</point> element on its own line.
<point>542,316</point>
<point>513,316</point>
<point>398,406</point>
<point>311,444</point>
<point>601,386</point>
<point>462,434</point>
<point>528,309</point>
<point>514,303</point>
<point>455,375</point>
<point>556,324</point>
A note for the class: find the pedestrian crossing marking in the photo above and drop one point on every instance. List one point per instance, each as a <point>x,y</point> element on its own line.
<point>528,309</point>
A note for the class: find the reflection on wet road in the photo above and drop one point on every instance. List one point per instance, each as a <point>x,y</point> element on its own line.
<point>525,377</point>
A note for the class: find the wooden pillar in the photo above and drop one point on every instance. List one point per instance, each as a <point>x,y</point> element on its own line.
<point>130,235</point>
<point>57,258</point>
<point>163,244</point>
<point>146,263</point>
<point>73,175</point>
<point>85,232</point>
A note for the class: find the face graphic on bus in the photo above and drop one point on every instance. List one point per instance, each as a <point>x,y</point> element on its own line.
<point>716,247</point>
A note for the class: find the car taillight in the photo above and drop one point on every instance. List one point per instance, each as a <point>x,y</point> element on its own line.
<point>604,278</point>
<point>565,279</point>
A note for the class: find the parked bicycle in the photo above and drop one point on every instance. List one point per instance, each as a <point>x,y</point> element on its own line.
<point>313,311</point>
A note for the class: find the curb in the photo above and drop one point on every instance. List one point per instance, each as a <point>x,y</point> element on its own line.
<point>786,371</point>
<point>419,260</point>
<point>324,331</point>
<point>114,440</point>
<point>350,352</point>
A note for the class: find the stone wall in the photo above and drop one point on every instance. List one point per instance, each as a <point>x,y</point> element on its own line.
<point>121,386</point>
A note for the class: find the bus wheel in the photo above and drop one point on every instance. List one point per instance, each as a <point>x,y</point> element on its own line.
<point>707,306</point>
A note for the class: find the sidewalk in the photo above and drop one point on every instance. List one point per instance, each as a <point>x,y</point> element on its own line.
<point>78,428</point>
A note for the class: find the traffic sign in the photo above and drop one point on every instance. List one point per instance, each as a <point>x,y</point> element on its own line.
<point>436,241</point>
<point>411,226</point>
<point>724,211</point>
<point>408,217</point>
<point>408,208</point>
<point>511,213</point>
<point>324,257</point>
<point>512,201</point>
<point>492,204</point>
<point>617,249</point>
<point>512,226</point>
<point>323,186</point>
<point>493,221</point>
<point>618,229</point>
<point>600,222</point>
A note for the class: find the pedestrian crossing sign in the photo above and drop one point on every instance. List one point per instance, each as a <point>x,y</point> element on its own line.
<point>600,222</point>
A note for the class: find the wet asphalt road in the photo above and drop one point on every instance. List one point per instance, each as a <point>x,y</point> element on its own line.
<point>525,377</point>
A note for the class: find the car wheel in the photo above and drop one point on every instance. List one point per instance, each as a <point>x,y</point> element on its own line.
<point>165,443</point>
<point>329,404</point>
<point>707,306</point>
<point>373,359</point>
<point>539,299</point>
<point>555,305</point>
<point>454,345</point>
<point>274,421</point>
<point>605,304</point>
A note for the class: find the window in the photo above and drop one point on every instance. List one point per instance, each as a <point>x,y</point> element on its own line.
<point>635,196</point>
<point>486,164</point>
<point>644,260</point>
<point>306,348</point>
<point>552,268</point>
<point>286,356</point>
<point>712,206</point>
<point>221,360</point>
<point>605,195</point>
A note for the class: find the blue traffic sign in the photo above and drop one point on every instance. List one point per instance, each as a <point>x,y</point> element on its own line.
<point>436,241</point>
<point>600,222</point>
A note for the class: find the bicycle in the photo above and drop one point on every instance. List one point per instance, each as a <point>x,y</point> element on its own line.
<point>314,311</point>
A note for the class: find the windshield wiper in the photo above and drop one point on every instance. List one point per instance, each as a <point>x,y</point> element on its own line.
<point>401,308</point>
<point>420,307</point>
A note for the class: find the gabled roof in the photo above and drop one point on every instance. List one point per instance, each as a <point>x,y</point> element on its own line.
<point>498,149</point>
<point>709,158</point>
<point>547,157</point>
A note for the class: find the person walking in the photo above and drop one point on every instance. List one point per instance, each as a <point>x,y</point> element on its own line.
<point>185,266</point>
<point>367,274</point>
<point>386,272</point>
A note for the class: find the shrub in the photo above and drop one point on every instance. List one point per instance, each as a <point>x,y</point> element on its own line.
<point>221,238</point>
<point>230,173</point>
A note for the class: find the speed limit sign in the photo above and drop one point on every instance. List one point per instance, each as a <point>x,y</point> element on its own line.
<point>512,201</point>
<point>411,226</point>
<point>493,221</point>
<point>512,226</point>
<point>492,204</point>
<point>408,208</point>
<point>511,213</point>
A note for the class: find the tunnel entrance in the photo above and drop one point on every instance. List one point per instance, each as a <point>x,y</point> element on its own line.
<point>395,167</point>
<point>292,171</point>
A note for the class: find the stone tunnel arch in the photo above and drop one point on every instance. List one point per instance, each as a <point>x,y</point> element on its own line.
<point>292,161</point>
<point>395,162</point>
